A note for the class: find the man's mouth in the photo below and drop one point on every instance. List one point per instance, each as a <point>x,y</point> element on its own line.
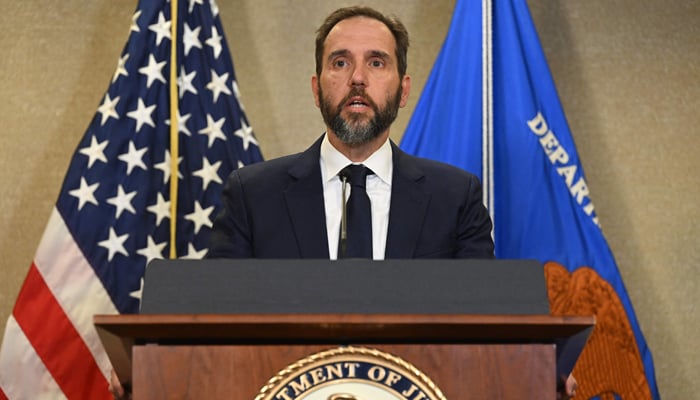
<point>357,103</point>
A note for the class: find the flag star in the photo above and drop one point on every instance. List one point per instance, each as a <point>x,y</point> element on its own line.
<point>85,193</point>
<point>208,173</point>
<point>213,129</point>
<point>108,108</point>
<point>237,93</point>
<point>161,209</point>
<point>134,158</point>
<point>182,123</point>
<point>191,38</point>
<point>214,42</point>
<point>200,217</point>
<point>152,250</point>
<point>214,8</point>
<point>134,24</point>
<point>193,253</point>
<point>95,152</point>
<point>184,82</point>
<point>142,115</point>
<point>121,67</point>
<point>114,244</point>
<point>161,28</point>
<point>218,84</point>
<point>166,165</point>
<point>246,133</point>
<point>192,3</point>
<point>136,294</point>
<point>240,164</point>
<point>153,71</point>
<point>122,201</point>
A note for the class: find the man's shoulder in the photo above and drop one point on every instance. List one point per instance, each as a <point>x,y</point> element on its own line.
<point>297,164</point>
<point>434,169</point>
<point>266,174</point>
<point>273,165</point>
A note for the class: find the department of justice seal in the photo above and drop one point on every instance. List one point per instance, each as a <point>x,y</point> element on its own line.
<point>350,373</point>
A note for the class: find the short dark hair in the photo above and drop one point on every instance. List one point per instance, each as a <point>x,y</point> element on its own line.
<point>396,27</point>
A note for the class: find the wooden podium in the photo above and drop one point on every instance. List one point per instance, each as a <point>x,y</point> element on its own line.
<point>221,329</point>
<point>231,356</point>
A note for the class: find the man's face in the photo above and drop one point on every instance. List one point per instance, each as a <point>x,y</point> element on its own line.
<point>359,91</point>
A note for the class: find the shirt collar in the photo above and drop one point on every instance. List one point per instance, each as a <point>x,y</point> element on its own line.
<point>332,161</point>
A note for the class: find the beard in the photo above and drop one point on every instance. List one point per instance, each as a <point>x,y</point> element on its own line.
<point>357,130</point>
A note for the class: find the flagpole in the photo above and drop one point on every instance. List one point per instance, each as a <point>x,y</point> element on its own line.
<point>174,143</point>
<point>487,109</point>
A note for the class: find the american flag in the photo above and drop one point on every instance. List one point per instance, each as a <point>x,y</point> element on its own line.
<point>113,214</point>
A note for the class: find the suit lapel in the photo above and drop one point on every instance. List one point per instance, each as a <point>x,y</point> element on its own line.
<point>408,206</point>
<point>304,199</point>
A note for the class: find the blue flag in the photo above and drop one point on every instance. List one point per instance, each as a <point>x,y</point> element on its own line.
<point>490,106</point>
<point>115,208</point>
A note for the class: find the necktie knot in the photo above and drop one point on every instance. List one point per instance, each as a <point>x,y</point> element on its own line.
<point>356,174</point>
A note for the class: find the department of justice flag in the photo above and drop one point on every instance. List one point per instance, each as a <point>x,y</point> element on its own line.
<point>490,106</point>
<point>113,214</point>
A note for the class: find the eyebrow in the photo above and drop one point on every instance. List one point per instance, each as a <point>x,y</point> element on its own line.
<point>337,53</point>
<point>380,54</point>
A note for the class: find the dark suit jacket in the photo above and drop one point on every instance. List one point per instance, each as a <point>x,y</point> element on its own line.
<point>275,209</point>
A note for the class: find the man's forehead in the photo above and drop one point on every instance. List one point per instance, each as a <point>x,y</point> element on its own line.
<point>360,31</point>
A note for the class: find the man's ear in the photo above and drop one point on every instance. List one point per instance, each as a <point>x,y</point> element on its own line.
<point>405,90</point>
<point>314,90</point>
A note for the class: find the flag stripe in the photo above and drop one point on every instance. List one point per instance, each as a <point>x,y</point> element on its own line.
<point>24,375</point>
<point>35,310</point>
<point>58,253</point>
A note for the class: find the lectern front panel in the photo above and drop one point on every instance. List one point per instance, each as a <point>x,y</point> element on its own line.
<point>460,371</point>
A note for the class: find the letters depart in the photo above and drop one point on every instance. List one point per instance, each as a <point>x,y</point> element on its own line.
<point>559,157</point>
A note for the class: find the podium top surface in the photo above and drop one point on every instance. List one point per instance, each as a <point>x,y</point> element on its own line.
<point>354,286</point>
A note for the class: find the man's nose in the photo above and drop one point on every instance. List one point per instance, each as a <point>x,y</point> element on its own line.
<point>359,76</point>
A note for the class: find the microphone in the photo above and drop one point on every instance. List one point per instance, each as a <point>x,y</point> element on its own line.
<point>342,245</point>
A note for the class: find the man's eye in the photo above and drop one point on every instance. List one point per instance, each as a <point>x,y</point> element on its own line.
<point>340,63</point>
<point>376,63</point>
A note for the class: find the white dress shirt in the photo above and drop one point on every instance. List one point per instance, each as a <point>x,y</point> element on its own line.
<point>378,190</point>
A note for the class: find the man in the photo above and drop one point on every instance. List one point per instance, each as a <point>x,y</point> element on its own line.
<point>293,207</point>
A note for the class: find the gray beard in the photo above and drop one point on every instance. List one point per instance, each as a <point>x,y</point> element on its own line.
<point>354,132</point>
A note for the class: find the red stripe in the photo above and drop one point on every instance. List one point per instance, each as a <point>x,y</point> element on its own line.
<point>56,341</point>
<point>3,396</point>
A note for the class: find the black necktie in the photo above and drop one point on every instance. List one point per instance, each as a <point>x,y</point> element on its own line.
<point>359,214</point>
